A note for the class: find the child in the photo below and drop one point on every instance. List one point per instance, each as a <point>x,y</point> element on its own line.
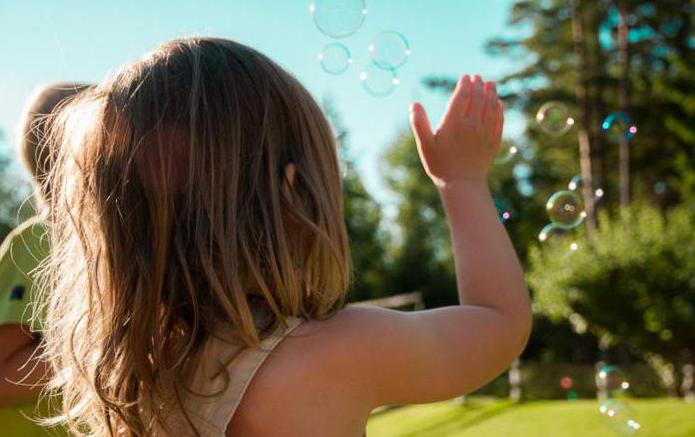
<point>20,371</point>
<point>200,258</point>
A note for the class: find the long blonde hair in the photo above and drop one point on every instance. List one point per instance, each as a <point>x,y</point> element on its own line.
<point>171,215</point>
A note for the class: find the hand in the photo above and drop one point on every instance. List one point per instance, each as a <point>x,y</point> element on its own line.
<point>468,137</point>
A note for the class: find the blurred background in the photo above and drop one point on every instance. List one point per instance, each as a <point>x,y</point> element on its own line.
<point>596,182</point>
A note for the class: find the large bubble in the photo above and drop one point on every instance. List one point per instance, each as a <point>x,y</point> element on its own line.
<point>338,18</point>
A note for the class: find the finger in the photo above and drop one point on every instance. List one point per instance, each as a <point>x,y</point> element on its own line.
<point>490,107</point>
<point>460,99</point>
<point>420,125</point>
<point>475,108</point>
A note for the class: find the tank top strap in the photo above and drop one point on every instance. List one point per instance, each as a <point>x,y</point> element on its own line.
<point>243,370</point>
<point>225,373</point>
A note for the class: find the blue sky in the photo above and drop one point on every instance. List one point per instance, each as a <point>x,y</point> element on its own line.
<point>45,40</point>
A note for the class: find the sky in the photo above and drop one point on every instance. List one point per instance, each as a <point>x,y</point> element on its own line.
<point>85,40</point>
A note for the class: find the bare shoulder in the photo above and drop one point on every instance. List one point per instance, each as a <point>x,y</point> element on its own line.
<point>308,385</point>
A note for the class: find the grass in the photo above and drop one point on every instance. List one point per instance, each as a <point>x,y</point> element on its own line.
<point>495,418</point>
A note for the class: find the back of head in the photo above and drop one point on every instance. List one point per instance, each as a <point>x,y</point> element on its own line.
<point>35,126</point>
<point>172,215</point>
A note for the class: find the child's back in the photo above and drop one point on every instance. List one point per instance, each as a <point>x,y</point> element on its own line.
<point>200,258</point>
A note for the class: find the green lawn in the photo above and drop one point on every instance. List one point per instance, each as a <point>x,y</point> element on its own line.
<point>488,418</point>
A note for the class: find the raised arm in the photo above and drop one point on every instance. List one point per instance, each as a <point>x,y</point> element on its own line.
<point>399,357</point>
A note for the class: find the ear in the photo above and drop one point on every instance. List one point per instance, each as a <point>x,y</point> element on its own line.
<point>288,182</point>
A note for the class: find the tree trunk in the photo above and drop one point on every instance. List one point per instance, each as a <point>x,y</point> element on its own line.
<point>597,105</point>
<point>624,62</point>
<point>584,114</point>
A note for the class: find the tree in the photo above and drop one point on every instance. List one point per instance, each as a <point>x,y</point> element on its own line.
<point>13,189</point>
<point>422,257</point>
<point>596,58</point>
<point>363,222</point>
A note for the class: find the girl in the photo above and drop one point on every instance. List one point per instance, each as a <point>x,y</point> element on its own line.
<point>200,258</point>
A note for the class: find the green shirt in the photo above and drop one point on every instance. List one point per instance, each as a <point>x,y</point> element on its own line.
<point>21,252</point>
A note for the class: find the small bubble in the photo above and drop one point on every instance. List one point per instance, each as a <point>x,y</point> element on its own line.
<point>335,58</point>
<point>379,82</point>
<point>551,232</point>
<point>507,153</point>
<point>575,183</point>
<point>565,209</point>
<point>503,210</point>
<point>389,50</point>
<point>620,417</point>
<point>554,118</point>
<point>613,379</point>
<point>618,126</point>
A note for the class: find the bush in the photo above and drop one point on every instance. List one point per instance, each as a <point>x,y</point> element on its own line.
<point>632,281</point>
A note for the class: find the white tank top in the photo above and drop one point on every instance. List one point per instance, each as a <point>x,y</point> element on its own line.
<point>225,371</point>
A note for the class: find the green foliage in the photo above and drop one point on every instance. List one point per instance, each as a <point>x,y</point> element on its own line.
<point>367,242</point>
<point>660,83</point>
<point>362,220</point>
<point>422,255</point>
<point>12,190</point>
<point>632,281</point>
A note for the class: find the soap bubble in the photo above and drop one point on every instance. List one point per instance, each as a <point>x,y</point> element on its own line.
<point>379,82</point>
<point>620,417</point>
<point>335,58</point>
<point>551,232</point>
<point>507,153</point>
<point>554,118</point>
<point>575,183</point>
<point>389,50</point>
<point>338,18</point>
<point>612,379</point>
<point>566,209</point>
<point>598,195</point>
<point>504,211</point>
<point>618,125</point>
